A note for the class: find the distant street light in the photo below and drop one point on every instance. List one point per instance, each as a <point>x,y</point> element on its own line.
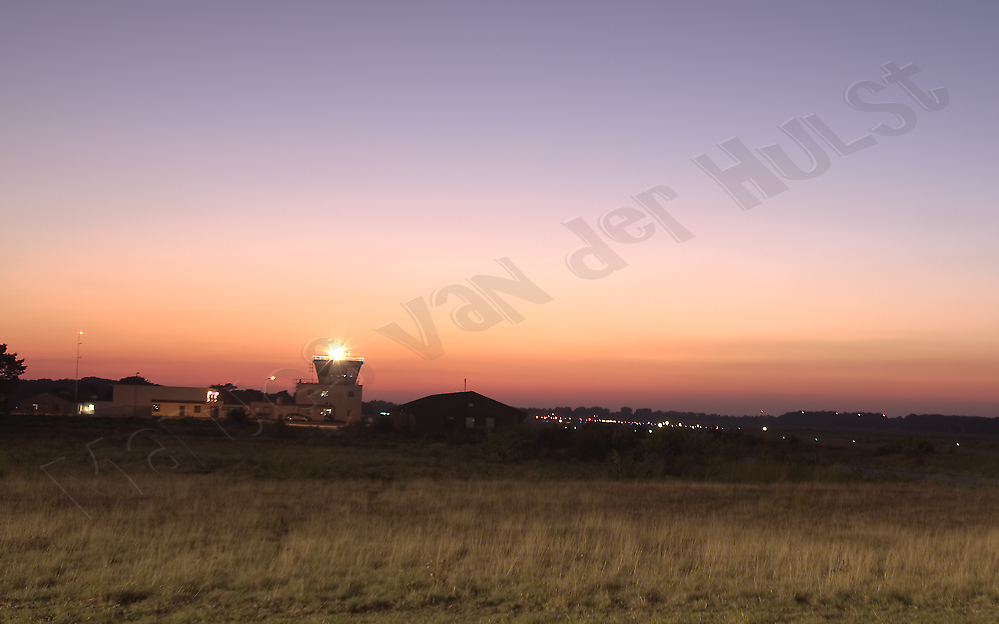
<point>76,382</point>
<point>263,394</point>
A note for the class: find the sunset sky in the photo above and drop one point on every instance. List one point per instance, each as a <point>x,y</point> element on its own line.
<point>208,190</point>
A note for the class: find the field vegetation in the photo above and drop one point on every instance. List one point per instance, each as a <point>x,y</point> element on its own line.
<point>180,524</point>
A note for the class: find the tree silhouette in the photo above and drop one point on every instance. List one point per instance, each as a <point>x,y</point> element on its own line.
<point>11,370</point>
<point>135,380</point>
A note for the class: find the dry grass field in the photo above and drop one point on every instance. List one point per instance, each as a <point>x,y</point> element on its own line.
<point>140,521</point>
<point>215,548</point>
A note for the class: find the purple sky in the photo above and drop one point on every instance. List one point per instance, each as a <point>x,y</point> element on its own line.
<point>206,187</point>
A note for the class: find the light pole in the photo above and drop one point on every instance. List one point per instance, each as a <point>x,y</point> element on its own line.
<point>264,398</point>
<point>76,382</point>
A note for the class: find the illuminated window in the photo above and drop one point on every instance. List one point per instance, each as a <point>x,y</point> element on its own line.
<point>156,407</point>
<point>324,393</point>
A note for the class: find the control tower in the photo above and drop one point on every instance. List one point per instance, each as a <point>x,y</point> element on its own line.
<point>340,371</point>
<point>337,395</point>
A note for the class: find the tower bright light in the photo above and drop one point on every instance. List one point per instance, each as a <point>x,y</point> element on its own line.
<point>335,351</point>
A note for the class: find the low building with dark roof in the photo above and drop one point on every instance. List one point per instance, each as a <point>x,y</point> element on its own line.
<point>45,403</point>
<point>441,413</point>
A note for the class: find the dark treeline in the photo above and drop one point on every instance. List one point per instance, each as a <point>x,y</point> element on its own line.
<point>90,388</point>
<point>376,407</point>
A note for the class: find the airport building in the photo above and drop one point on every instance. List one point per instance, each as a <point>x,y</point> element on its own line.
<point>334,395</point>
<point>440,413</point>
